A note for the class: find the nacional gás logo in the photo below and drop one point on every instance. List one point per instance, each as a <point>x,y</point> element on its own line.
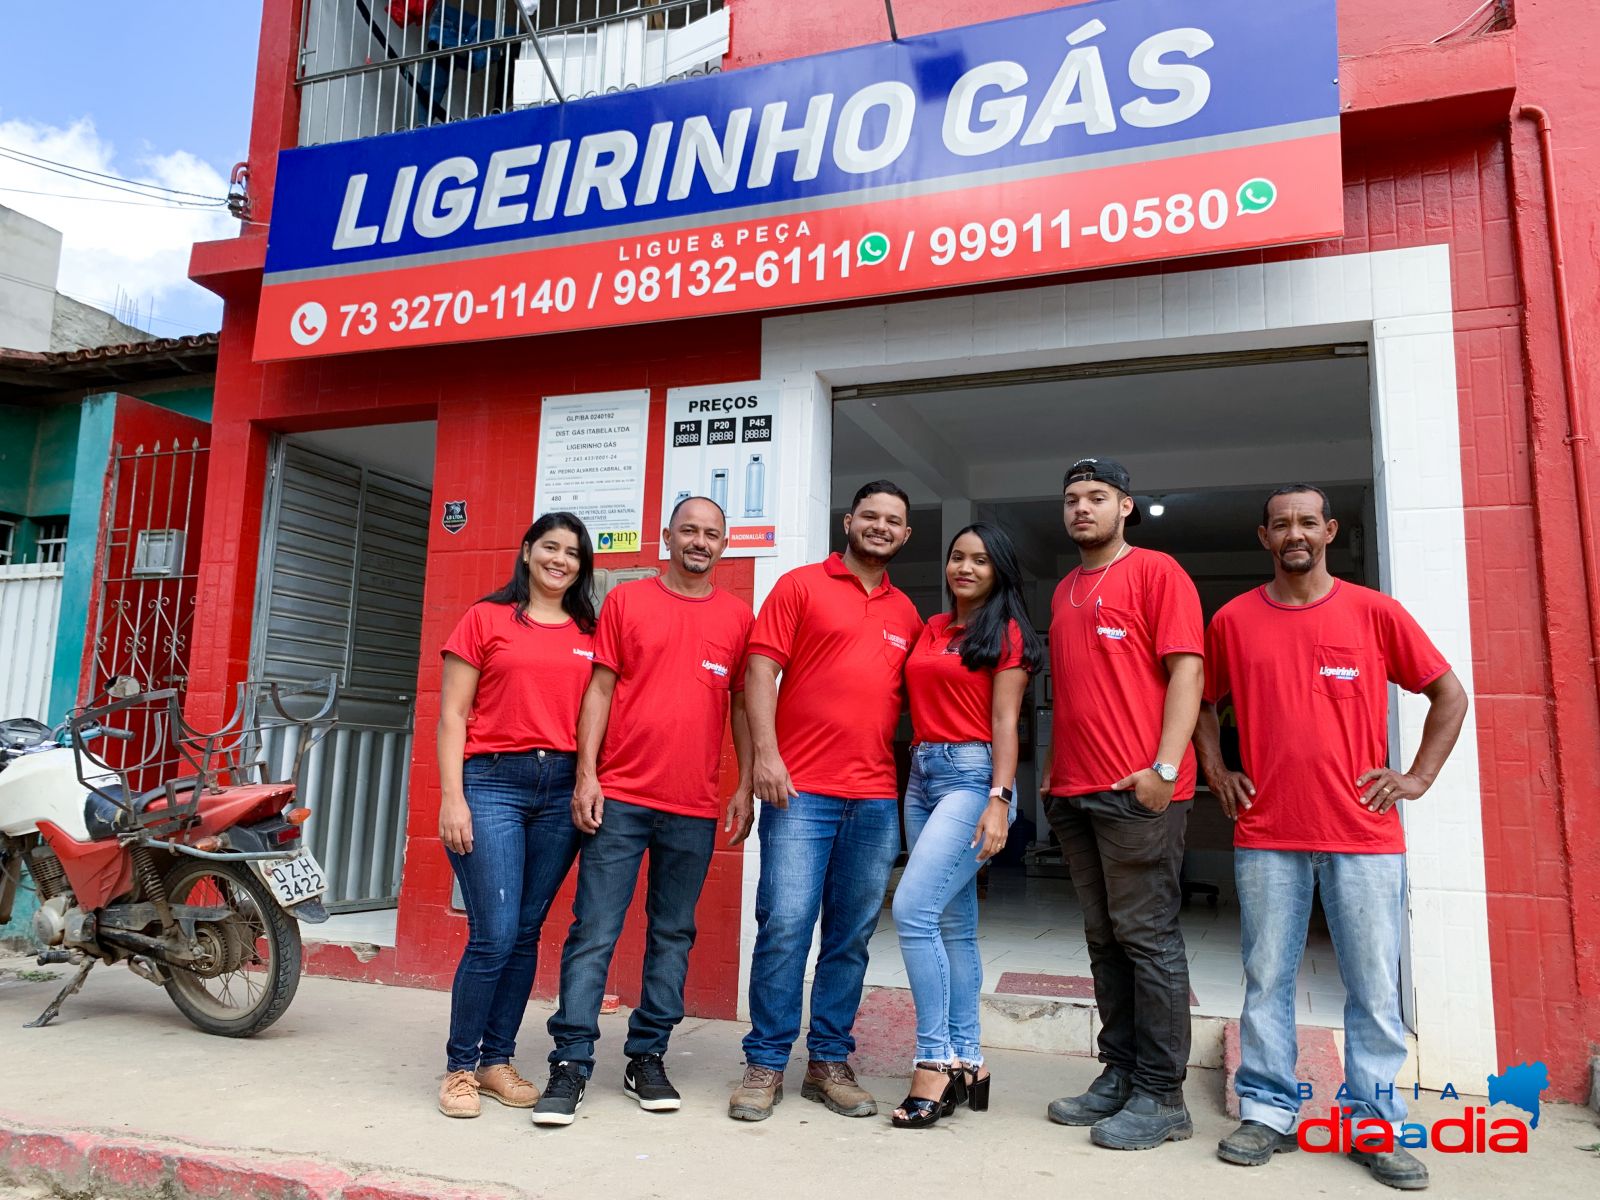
<point>1472,1132</point>
<point>1115,632</point>
<point>1340,672</point>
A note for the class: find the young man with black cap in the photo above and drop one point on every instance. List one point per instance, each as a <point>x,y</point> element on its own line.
<point>1126,644</point>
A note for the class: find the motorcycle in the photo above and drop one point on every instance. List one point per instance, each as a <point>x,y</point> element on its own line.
<point>153,844</point>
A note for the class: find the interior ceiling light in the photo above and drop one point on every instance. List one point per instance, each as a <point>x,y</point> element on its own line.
<point>1156,507</point>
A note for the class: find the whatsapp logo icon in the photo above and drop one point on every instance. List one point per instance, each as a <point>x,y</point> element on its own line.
<point>872,248</point>
<point>1256,196</point>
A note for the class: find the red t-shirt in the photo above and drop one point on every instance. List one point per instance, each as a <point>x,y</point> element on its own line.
<point>1310,688</point>
<point>530,680</point>
<point>678,660</point>
<point>948,702</point>
<point>842,651</point>
<point>1110,630</point>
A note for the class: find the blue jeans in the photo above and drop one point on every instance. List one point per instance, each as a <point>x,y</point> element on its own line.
<point>523,842</point>
<point>820,854</point>
<point>1363,897</point>
<point>608,868</point>
<point>936,904</point>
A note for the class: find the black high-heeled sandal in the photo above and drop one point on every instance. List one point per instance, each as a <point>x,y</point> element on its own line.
<point>921,1111</point>
<point>977,1089</point>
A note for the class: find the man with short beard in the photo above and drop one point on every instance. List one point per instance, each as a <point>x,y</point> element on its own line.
<point>1125,652</point>
<point>669,656</point>
<point>838,632</point>
<point>1308,660</point>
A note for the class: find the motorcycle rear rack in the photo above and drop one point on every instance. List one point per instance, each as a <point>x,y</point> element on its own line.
<point>140,755</point>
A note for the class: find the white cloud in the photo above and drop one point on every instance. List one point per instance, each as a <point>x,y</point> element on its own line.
<point>142,250</point>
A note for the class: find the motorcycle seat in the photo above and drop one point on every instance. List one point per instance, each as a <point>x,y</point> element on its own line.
<point>104,818</point>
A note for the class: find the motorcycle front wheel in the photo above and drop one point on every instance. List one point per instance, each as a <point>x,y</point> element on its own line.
<point>250,963</point>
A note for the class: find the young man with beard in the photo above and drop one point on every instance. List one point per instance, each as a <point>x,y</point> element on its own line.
<point>1125,651</point>
<point>838,632</point>
<point>669,657</point>
<point>1308,660</point>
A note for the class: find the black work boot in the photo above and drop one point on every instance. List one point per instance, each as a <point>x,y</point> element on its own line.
<point>1105,1096</point>
<point>1398,1168</point>
<point>1253,1144</point>
<point>1143,1123</point>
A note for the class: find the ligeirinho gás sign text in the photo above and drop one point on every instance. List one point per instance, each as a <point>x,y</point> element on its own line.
<point>1103,133</point>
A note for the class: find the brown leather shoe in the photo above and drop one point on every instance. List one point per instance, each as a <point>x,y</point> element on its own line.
<point>458,1095</point>
<point>834,1084</point>
<point>753,1099</point>
<point>503,1083</point>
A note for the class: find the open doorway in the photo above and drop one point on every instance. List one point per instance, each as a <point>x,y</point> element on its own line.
<point>344,560</point>
<point>1205,437</point>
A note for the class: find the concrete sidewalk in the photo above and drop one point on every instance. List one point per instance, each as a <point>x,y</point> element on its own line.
<point>348,1079</point>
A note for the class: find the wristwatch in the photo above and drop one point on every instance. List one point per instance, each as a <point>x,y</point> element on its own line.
<point>1001,793</point>
<point>1168,772</point>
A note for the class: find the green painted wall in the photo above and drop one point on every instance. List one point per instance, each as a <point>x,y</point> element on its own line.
<point>55,458</point>
<point>191,402</point>
<point>19,431</point>
<point>83,524</point>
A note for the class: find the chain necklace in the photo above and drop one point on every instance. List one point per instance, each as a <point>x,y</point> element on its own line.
<point>1104,571</point>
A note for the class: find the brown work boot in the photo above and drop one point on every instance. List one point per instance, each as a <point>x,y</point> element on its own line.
<point>503,1083</point>
<point>753,1099</point>
<point>458,1095</point>
<point>834,1085</point>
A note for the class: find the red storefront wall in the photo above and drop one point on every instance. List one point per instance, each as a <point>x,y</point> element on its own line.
<point>1434,155</point>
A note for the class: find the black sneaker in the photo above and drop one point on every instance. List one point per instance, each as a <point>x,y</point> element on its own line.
<point>563,1096</point>
<point>646,1081</point>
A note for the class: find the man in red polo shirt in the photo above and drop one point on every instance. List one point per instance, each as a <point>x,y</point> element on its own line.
<point>839,633</point>
<point>669,657</point>
<point>1308,660</point>
<point>1125,652</point>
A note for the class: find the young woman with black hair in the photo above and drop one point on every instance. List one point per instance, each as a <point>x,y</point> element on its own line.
<point>515,670</point>
<point>966,677</point>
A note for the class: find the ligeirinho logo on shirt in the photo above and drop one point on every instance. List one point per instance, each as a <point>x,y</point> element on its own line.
<point>1115,632</point>
<point>896,640</point>
<point>589,654</point>
<point>1340,672</point>
<point>718,669</point>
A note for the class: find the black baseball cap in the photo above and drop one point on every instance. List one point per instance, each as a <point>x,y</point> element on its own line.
<point>1104,470</point>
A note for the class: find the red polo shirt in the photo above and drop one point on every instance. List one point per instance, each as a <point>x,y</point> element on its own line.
<point>1110,630</point>
<point>530,680</point>
<point>949,703</point>
<point>678,661</point>
<point>1310,687</point>
<point>842,650</point>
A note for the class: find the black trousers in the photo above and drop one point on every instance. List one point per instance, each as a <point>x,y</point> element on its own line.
<point>1125,862</point>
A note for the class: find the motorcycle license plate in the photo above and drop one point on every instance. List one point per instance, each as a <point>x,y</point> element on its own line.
<point>292,879</point>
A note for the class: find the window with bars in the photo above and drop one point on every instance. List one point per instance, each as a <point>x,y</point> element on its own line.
<point>8,539</point>
<point>50,546</point>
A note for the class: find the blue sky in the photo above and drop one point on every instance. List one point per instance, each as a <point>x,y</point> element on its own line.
<point>157,90</point>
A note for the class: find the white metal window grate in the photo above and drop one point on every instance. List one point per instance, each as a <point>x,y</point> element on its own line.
<point>51,543</point>
<point>8,540</point>
<point>368,67</point>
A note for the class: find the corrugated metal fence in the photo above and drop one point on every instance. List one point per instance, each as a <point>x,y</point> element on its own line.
<point>30,601</point>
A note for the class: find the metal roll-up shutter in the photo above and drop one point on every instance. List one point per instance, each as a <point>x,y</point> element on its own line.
<point>344,563</point>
